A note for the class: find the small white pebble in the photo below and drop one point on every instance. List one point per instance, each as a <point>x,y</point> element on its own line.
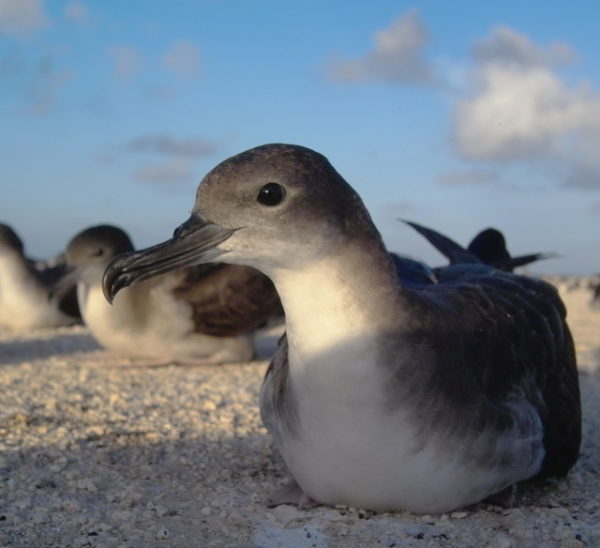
<point>206,511</point>
<point>22,503</point>
<point>87,484</point>
<point>162,533</point>
<point>459,515</point>
<point>71,506</point>
<point>501,541</point>
<point>160,510</point>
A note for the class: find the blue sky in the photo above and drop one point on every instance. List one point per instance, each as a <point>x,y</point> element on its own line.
<point>459,115</point>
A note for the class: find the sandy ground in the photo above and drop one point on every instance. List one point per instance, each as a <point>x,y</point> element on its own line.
<point>97,455</point>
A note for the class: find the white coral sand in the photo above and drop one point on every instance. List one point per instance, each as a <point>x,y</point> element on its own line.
<point>97,455</point>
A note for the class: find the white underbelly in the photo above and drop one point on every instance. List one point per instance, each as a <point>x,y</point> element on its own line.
<point>26,305</point>
<point>349,450</point>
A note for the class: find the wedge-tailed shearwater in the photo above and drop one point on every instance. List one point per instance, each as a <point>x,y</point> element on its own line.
<point>200,314</point>
<point>383,394</point>
<point>488,247</point>
<point>25,289</point>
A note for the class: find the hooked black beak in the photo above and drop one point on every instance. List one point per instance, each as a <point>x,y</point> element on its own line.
<point>194,242</point>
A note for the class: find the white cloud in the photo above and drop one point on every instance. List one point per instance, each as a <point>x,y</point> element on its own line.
<point>128,60</point>
<point>521,110</point>
<point>397,56</point>
<point>182,58</point>
<point>18,17</point>
<point>77,12</point>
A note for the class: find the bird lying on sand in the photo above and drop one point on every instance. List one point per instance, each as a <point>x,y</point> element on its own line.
<point>384,395</point>
<point>201,314</point>
<point>488,247</point>
<point>595,289</point>
<point>25,291</point>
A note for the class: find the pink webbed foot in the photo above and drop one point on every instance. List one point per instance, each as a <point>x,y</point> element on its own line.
<point>291,493</point>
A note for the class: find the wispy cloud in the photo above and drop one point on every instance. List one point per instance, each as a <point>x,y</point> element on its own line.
<point>174,171</point>
<point>519,109</point>
<point>397,56</point>
<point>128,60</point>
<point>391,211</point>
<point>162,158</point>
<point>182,58</point>
<point>582,176</point>
<point>34,83</point>
<point>46,80</point>
<point>77,12</point>
<point>22,17</point>
<point>468,177</point>
<point>168,145</point>
<point>158,92</point>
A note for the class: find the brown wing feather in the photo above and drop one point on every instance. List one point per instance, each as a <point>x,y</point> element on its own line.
<point>228,299</point>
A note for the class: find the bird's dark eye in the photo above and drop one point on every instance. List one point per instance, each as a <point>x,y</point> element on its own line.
<point>97,252</point>
<point>271,194</point>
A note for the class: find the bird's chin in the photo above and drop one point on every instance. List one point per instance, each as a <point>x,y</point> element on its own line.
<point>194,242</point>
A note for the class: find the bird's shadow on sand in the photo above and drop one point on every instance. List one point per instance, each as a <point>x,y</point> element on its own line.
<point>64,344</point>
<point>33,349</point>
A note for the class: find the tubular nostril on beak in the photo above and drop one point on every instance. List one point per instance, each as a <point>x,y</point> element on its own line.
<point>178,232</point>
<point>193,223</point>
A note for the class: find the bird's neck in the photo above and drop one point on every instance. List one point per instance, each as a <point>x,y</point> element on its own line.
<point>342,297</point>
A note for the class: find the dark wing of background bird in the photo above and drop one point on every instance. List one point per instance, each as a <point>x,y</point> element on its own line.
<point>228,299</point>
<point>489,246</point>
<point>454,252</point>
<point>521,260</point>
<point>50,273</point>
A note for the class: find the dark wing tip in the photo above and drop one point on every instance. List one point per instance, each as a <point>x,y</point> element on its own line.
<point>454,252</point>
<point>521,260</point>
